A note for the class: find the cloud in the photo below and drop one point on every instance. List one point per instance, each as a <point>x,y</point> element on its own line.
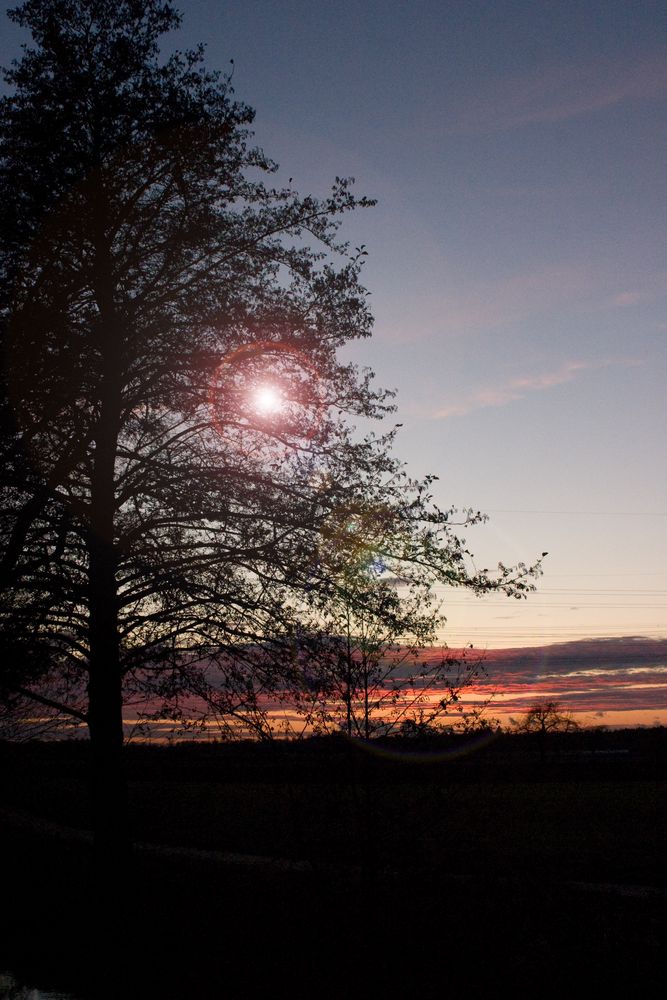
<point>518,297</point>
<point>459,308</point>
<point>558,93</point>
<point>593,676</point>
<point>520,387</point>
<point>627,298</point>
<point>634,296</point>
<point>453,305</point>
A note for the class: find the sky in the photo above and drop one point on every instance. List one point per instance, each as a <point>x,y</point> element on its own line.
<point>516,265</point>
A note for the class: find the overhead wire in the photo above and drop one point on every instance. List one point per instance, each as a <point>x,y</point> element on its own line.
<point>582,513</point>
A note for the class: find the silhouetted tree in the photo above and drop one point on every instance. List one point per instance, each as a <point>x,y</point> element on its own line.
<point>175,419</point>
<point>544,718</point>
<point>378,669</point>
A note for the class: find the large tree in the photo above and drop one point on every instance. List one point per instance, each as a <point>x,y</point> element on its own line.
<point>180,466</point>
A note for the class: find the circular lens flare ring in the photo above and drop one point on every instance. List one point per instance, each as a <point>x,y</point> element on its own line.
<point>266,398</point>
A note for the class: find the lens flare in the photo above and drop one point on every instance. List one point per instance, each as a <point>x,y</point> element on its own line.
<point>267,400</point>
<point>264,380</point>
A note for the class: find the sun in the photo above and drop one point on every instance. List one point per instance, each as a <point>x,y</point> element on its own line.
<point>267,400</point>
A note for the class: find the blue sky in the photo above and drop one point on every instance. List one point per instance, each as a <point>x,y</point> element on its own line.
<point>516,265</point>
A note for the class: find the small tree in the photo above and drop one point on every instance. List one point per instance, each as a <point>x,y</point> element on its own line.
<point>544,718</point>
<point>370,664</point>
<point>373,686</point>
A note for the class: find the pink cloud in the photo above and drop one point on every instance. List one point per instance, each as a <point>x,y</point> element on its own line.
<point>519,387</point>
<point>627,298</point>
<point>508,300</point>
<point>452,305</point>
<point>561,92</point>
<point>595,676</point>
<point>632,297</point>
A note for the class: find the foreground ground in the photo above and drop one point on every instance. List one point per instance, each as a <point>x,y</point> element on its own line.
<point>410,869</point>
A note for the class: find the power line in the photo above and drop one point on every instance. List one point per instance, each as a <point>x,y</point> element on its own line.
<point>657,572</point>
<point>552,627</point>
<point>463,638</point>
<point>622,631</point>
<point>570,590</point>
<point>580,605</point>
<point>583,513</point>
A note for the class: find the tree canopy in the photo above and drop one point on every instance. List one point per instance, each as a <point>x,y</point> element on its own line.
<point>183,482</point>
<point>546,717</point>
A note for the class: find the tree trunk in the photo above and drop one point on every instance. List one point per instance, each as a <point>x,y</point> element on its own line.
<point>105,713</point>
<point>106,719</point>
<point>105,702</point>
<point>367,720</point>
<point>348,679</point>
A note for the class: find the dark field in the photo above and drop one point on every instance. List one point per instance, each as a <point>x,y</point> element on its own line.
<point>405,871</point>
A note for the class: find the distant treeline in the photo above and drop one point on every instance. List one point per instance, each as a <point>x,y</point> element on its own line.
<point>640,752</point>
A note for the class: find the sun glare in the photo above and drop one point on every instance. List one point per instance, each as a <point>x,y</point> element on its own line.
<point>267,400</point>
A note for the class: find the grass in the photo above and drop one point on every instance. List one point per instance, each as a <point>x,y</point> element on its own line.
<point>424,877</point>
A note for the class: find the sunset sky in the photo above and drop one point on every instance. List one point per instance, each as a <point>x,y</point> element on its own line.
<point>516,265</point>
